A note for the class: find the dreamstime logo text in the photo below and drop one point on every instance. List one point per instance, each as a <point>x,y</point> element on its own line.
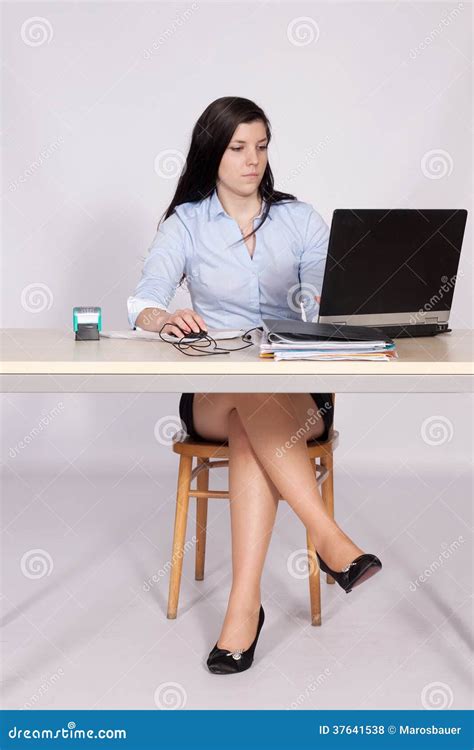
<point>35,431</point>
<point>170,31</point>
<point>311,687</point>
<point>446,285</point>
<point>150,582</point>
<point>311,154</point>
<point>43,688</point>
<point>445,554</point>
<point>44,155</point>
<point>303,430</point>
<point>446,20</point>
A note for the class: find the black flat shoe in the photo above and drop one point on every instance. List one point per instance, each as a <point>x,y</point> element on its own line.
<point>358,571</point>
<point>222,661</point>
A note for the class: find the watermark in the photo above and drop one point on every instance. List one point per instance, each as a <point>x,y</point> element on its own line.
<point>302,563</point>
<point>169,430</point>
<point>311,687</point>
<point>35,431</point>
<point>447,284</point>
<point>170,163</point>
<point>36,31</point>
<point>302,295</point>
<point>136,305</point>
<point>447,551</point>
<point>155,578</point>
<point>437,696</point>
<point>303,430</point>
<point>64,733</point>
<point>437,430</point>
<point>436,164</point>
<point>44,155</point>
<point>170,31</point>
<point>188,280</point>
<point>36,563</point>
<point>46,683</point>
<point>170,696</point>
<point>445,21</point>
<point>36,297</point>
<point>302,31</point>
<point>311,154</point>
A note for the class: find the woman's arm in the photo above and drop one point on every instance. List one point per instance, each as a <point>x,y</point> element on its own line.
<point>152,319</point>
<point>161,274</point>
<point>313,259</point>
<point>181,321</point>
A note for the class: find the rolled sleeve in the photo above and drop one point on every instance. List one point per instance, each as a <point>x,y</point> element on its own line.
<point>313,262</point>
<point>162,270</point>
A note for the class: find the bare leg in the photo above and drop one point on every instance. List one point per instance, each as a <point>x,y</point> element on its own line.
<point>272,422</point>
<point>253,507</point>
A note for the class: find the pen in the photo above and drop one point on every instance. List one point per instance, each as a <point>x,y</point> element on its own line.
<point>303,312</point>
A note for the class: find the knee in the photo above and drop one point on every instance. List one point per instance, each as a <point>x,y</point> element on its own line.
<point>236,427</point>
<point>252,398</point>
<point>235,421</point>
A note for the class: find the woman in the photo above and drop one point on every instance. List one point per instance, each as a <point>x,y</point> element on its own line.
<point>234,278</point>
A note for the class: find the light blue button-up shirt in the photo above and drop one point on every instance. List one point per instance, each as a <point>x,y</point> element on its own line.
<point>228,287</point>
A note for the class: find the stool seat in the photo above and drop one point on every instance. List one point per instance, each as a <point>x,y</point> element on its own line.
<point>215,455</point>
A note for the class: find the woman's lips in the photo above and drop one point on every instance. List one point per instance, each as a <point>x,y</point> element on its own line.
<point>251,175</point>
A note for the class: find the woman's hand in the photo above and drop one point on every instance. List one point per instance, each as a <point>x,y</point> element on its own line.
<point>184,321</point>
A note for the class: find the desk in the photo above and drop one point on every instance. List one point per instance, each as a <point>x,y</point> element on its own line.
<point>52,361</point>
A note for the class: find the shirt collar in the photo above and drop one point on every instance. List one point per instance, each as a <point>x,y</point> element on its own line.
<point>216,208</point>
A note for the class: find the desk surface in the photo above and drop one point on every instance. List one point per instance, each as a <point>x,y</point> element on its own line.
<point>51,360</point>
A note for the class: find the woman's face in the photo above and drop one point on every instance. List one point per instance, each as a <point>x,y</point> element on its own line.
<point>245,159</point>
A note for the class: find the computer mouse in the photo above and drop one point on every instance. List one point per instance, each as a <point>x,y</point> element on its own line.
<point>195,334</point>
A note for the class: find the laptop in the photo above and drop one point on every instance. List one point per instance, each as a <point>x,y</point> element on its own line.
<point>395,269</point>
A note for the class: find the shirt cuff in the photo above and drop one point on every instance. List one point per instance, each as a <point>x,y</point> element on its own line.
<point>136,304</point>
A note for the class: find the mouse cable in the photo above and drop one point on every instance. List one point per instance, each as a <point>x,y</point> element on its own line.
<point>208,339</point>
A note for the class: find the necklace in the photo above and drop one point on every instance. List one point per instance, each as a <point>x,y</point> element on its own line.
<point>242,232</point>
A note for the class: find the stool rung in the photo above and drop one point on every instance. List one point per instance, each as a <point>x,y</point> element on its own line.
<point>206,464</point>
<point>209,493</point>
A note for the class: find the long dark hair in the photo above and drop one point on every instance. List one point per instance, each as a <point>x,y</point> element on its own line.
<point>211,135</point>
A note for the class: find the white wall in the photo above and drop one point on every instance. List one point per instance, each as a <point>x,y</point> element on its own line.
<point>95,93</point>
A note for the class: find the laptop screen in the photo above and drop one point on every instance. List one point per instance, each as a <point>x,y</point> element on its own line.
<point>389,261</point>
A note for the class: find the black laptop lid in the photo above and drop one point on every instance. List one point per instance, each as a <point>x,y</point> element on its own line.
<point>383,262</point>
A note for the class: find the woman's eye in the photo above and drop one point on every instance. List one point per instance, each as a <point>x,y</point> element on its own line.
<point>239,148</point>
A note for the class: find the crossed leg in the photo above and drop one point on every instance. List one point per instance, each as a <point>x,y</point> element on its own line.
<point>262,468</point>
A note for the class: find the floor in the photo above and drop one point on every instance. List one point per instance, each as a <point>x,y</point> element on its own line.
<point>85,586</point>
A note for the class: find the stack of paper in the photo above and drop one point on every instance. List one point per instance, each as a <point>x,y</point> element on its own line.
<point>279,347</point>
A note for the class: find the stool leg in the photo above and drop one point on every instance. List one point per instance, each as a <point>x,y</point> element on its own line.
<point>327,492</point>
<point>202,480</point>
<point>314,583</point>
<point>181,516</point>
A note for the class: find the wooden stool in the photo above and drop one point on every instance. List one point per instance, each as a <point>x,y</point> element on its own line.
<point>205,453</point>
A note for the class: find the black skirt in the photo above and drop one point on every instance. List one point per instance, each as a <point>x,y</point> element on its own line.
<point>323,402</point>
